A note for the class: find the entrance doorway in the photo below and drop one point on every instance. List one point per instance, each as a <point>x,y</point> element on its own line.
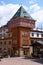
<point>26,52</point>
<point>15,52</point>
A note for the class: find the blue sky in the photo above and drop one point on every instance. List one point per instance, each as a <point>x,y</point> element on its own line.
<point>9,7</point>
<point>24,2</point>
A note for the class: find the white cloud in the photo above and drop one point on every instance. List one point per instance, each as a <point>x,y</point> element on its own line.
<point>36,12</point>
<point>37,15</point>
<point>7,11</point>
<point>32,1</point>
<point>35,7</point>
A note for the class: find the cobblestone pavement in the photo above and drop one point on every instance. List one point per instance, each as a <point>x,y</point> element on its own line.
<point>20,61</point>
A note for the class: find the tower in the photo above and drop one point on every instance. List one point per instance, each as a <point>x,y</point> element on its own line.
<point>21,24</point>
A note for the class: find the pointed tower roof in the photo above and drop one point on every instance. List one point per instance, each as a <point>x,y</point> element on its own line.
<point>22,12</point>
<point>21,18</point>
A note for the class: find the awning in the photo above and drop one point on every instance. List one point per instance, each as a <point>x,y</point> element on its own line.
<point>39,42</point>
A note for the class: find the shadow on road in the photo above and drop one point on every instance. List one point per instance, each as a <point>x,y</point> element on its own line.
<point>38,60</point>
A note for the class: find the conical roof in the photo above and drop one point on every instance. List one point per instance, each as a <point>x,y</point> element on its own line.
<point>22,12</point>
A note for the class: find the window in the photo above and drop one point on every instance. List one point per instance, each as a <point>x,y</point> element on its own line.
<point>25,41</point>
<point>9,42</point>
<point>0,43</point>
<point>14,33</point>
<point>5,42</point>
<point>0,50</point>
<point>32,34</point>
<point>41,35</point>
<point>15,42</point>
<point>6,30</point>
<point>0,35</point>
<point>24,12</point>
<point>4,48</point>
<point>37,35</point>
<point>24,33</point>
<point>31,41</point>
<point>8,50</point>
<point>10,34</point>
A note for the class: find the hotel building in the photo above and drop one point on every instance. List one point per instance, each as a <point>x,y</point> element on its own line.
<point>17,37</point>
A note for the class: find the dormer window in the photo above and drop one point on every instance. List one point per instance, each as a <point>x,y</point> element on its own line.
<point>24,11</point>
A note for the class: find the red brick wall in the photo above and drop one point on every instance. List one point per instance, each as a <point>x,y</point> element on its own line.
<point>21,22</point>
<point>20,38</point>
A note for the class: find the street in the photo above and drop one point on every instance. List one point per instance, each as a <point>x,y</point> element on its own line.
<point>20,61</point>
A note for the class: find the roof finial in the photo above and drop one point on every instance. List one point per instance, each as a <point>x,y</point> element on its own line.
<point>21,3</point>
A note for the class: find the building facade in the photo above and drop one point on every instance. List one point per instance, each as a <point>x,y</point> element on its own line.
<point>17,36</point>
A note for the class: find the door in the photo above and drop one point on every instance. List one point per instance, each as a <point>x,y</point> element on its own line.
<point>26,51</point>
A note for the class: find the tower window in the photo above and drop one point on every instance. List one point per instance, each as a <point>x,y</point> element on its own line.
<point>24,12</point>
<point>15,42</point>
<point>24,33</point>
<point>25,42</point>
